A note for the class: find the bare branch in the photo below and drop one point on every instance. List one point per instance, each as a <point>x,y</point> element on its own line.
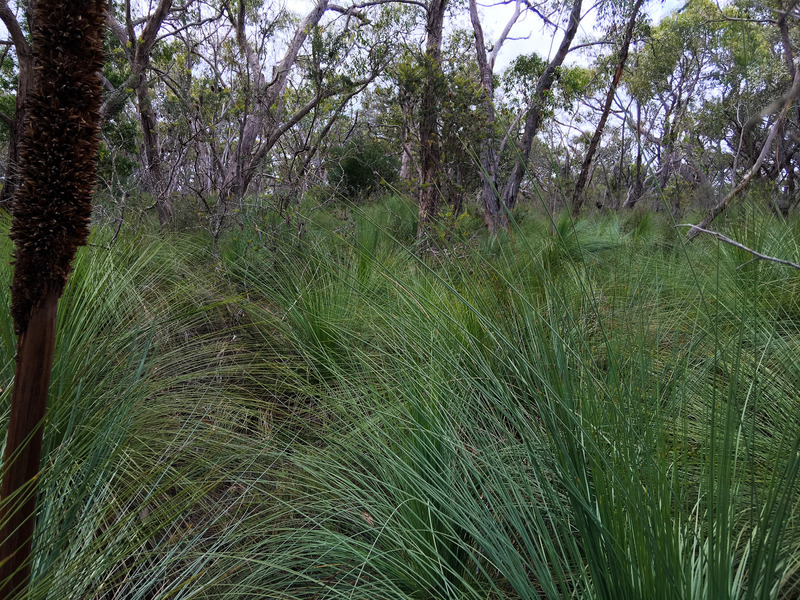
<point>15,31</point>
<point>350,11</point>
<point>591,44</point>
<point>200,23</point>
<point>275,135</point>
<point>540,14</point>
<point>504,36</point>
<point>381,2</point>
<point>727,240</point>
<point>118,29</point>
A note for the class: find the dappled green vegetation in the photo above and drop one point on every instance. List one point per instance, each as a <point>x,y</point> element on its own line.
<point>566,411</point>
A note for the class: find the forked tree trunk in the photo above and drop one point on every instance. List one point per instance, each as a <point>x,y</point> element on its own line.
<point>494,213</point>
<point>264,126</point>
<point>577,196</point>
<point>51,212</point>
<point>536,107</point>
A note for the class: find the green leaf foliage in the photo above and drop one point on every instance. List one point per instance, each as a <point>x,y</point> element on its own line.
<point>362,166</point>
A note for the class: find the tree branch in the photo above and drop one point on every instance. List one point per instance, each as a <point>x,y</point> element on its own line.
<point>504,36</point>
<point>715,212</point>
<point>15,31</point>
<point>727,240</point>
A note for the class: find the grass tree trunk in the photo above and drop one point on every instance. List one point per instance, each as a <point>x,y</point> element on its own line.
<point>577,196</point>
<point>51,213</point>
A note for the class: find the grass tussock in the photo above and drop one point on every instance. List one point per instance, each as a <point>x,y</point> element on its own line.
<point>592,411</point>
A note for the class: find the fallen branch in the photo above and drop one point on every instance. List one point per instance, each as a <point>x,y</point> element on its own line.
<point>758,256</point>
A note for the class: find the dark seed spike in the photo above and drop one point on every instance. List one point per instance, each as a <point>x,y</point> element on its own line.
<point>52,205</point>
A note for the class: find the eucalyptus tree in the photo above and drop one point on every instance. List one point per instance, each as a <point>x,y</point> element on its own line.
<point>538,92</point>
<point>493,212</point>
<point>760,79</point>
<point>536,106</point>
<point>429,146</point>
<point>460,131</point>
<point>137,34</point>
<point>342,61</point>
<point>257,100</point>
<point>391,108</point>
<point>755,65</point>
<point>631,15</point>
<point>674,74</point>
<point>787,149</point>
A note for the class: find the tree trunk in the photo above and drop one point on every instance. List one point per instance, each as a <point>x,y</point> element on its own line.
<point>635,193</point>
<point>430,151</point>
<point>138,49</point>
<point>24,84</point>
<point>155,182</point>
<point>577,196</point>
<point>494,213</point>
<point>51,213</point>
<point>536,107</point>
<point>405,138</point>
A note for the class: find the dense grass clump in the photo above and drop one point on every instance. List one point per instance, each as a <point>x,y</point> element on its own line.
<point>569,411</point>
<point>155,440</point>
<point>600,412</point>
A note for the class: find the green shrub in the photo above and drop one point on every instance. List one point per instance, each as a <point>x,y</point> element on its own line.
<point>362,166</point>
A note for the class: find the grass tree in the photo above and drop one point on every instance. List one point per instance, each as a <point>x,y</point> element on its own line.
<point>52,208</point>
